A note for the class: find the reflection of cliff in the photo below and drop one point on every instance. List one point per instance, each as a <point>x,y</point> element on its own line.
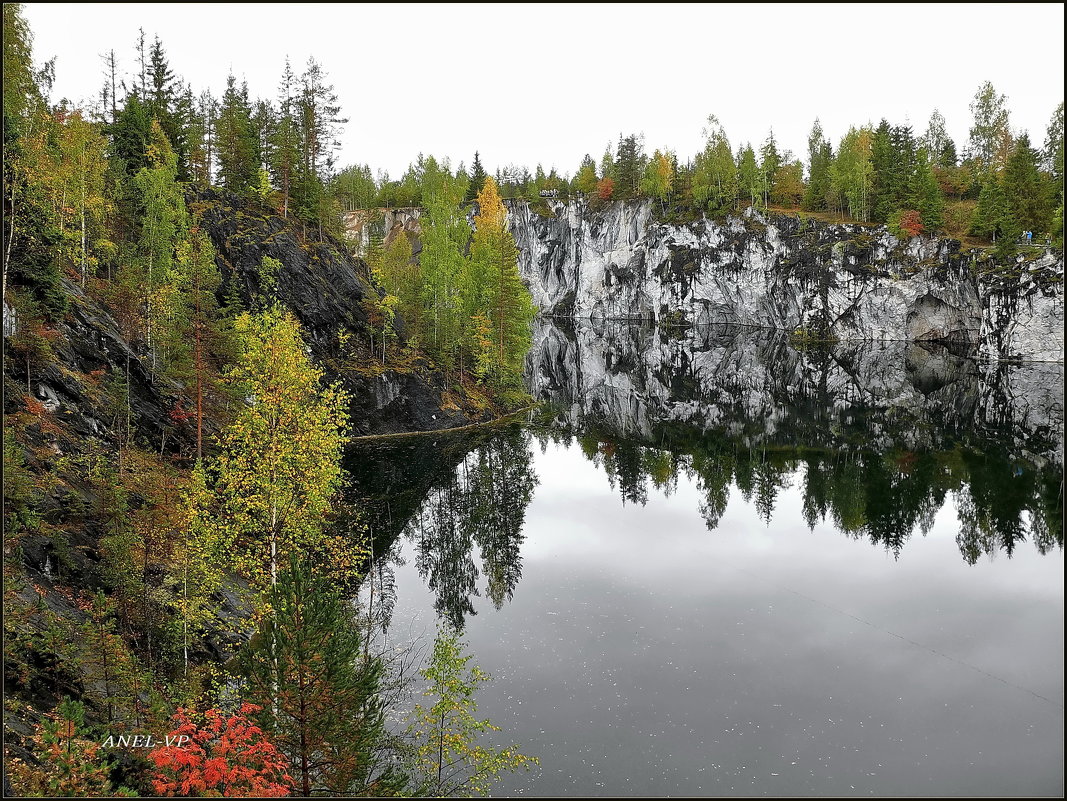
<point>633,380</point>
<point>883,432</point>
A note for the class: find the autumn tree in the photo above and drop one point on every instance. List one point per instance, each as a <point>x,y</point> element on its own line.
<point>71,760</point>
<point>497,293</point>
<point>585,179</point>
<point>221,755</point>
<point>658,178</point>
<point>788,187</point>
<point>278,466</point>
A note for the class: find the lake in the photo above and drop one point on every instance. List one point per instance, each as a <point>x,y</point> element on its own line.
<point>717,562</point>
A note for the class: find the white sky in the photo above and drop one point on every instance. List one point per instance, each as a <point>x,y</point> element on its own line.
<point>529,84</point>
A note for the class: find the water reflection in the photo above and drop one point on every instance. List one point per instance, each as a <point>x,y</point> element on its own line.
<point>467,500</point>
<point>877,437</point>
<point>878,433</point>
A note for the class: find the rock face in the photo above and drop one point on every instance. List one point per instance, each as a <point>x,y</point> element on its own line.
<point>634,380</point>
<point>331,294</point>
<point>363,224</point>
<point>846,282</point>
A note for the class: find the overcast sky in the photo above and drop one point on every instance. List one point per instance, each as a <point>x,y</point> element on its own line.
<point>548,84</point>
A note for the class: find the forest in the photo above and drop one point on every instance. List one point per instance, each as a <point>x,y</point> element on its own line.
<point>188,628</point>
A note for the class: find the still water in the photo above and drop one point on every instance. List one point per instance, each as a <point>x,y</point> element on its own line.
<point>714,564</point>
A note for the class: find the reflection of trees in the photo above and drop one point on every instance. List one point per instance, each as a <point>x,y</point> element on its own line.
<point>882,497</point>
<point>501,482</point>
<point>484,503</point>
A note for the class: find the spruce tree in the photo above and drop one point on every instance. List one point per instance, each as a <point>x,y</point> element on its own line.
<point>236,141</point>
<point>924,194</point>
<point>1029,195</point>
<point>477,179</point>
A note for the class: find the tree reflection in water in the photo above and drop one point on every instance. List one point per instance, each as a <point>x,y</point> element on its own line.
<point>877,439</point>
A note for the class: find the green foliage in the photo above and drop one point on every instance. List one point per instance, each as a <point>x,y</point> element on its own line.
<point>715,180</point>
<point>748,175</point>
<point>446,758</point>
<point>629,165</point>
<point>236,143</point>
<point>21,91</point>
<point>278,465</point>
<point>477,179</point>
<point>71,763</point>
<point>320,695</point>
<point>585,180</point>
<point>445,234</point>
<point>396,271</point>
<point>659,177</point>
<point>991,218</point>
<point>924,194</point>
<point>1029,194</point>
<point>990,133</point>
<point>355,188</point>
<point>31,233</point>
<point>852,172</point>
<point>820,157</point>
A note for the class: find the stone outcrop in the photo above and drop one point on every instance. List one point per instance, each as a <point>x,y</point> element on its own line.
<point>844,282</point>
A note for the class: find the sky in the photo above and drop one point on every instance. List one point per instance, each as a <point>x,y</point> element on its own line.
<point>529,84</point>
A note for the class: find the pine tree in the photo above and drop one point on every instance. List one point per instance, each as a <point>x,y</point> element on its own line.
<point>770,161</point>
<point>162,98</point>
<point>819,158</point>
<point>321,699</point>
<point>629,165</point>
<point>285,143</point>
<point>991,216</point>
